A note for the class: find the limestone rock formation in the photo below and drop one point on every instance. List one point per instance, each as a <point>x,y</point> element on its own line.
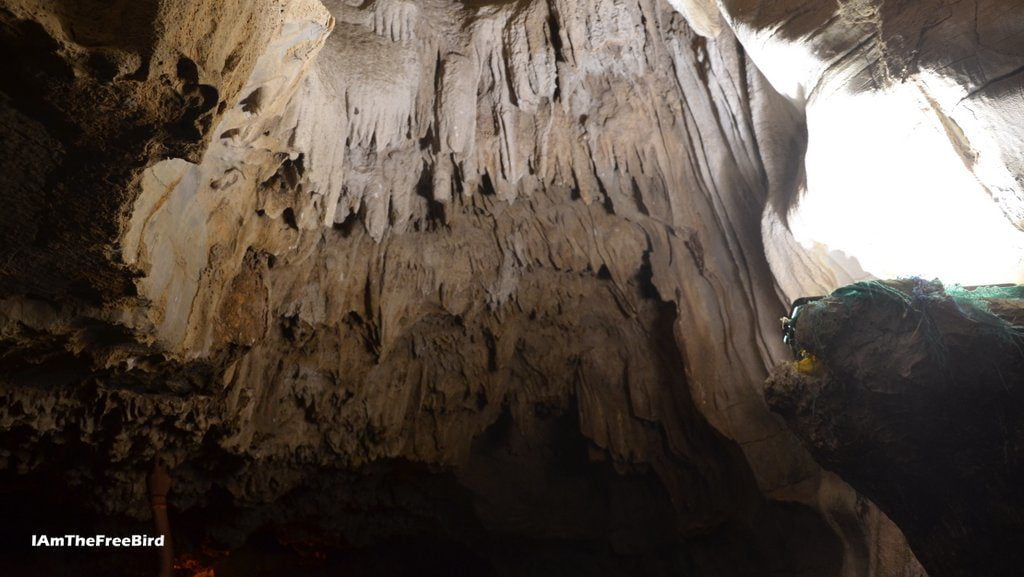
<point>500,277</point>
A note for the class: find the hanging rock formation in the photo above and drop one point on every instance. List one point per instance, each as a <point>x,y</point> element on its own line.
<point>487,276</point>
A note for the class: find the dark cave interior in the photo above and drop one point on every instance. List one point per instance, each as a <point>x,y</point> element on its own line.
<point>392,288</point>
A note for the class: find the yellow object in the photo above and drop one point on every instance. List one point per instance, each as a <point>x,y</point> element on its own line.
<point>808,365</point>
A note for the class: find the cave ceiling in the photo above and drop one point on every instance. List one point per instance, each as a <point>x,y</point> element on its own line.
<point>505,273</point>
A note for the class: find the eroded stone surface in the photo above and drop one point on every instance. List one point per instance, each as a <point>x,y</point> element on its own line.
<point>913,397</point>
<point>501,247</point>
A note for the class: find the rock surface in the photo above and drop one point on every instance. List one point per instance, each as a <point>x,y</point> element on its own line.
<point>914,398</point>
<point>490,271</point>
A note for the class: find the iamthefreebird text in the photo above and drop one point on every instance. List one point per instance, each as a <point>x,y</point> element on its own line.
<point>96,541</point>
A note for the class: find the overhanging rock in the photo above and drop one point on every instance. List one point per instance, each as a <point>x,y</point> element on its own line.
<point>914,394</point>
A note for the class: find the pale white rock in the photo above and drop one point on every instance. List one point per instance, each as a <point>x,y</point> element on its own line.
<point>702,15</point>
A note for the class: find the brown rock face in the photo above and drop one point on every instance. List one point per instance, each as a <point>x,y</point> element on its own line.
<point>412,287</point>
<point>94,96</point>
<point>423,286</point>
<point>915,400</point>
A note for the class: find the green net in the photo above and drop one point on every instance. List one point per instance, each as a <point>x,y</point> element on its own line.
<point>929,300</point>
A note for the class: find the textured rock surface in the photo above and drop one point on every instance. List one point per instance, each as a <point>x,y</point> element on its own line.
<point>509,253</point>
<point>99,92</point>
<point>915,400</point>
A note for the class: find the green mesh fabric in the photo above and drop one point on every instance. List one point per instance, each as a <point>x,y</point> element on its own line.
<point>929,298</point>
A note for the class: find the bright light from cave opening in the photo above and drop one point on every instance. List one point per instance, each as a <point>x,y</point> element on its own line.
<point>886,186</point>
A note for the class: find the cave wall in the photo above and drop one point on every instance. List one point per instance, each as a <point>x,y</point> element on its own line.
<point>97,93</point>
<point>299,237</point>
<point>910,391</point>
